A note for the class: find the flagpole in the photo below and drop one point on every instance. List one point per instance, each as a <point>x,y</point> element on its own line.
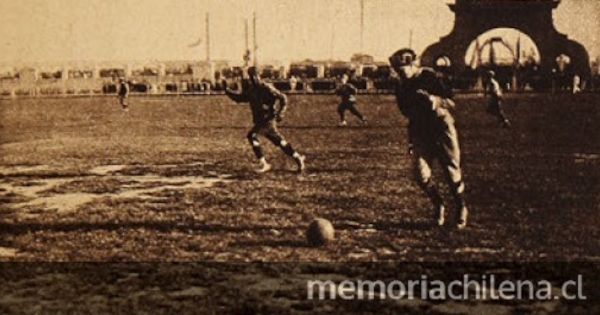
<point>362,24</point>
<point>332,40</point>
<point>477,56</point>
<point>492,54</point>
<point>475,52</point>
<point>479,51</point>
<point>518,51</point>
<point>247,47</point>
<point>255,43</point>
<point>207,37</point>
<point>515,79</point>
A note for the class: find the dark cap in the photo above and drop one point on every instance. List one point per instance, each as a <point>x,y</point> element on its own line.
<point>403,57</point>
<point>252,71</point>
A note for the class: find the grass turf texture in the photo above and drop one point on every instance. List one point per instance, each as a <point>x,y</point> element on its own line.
<point>532,191</point>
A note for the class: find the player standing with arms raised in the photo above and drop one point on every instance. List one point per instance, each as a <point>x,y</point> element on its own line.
<point>347,92</point>
<point>424,99</point>
<point>262,98</point>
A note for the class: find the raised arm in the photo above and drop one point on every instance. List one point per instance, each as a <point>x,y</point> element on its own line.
<point>236,97</point>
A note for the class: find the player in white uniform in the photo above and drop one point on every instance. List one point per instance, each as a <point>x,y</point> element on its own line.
<point>424,99</point>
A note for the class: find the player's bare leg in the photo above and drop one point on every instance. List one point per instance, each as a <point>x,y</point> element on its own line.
<point>439,211</point>
<point>495,109</point>
<point>258,152</point>
<point>462,220</point>
<point>457,187</point>
<point>264,166</point>
<point>300,162</point>
<point>463,212</point>
<point>287,148</point>
<point>342,113</point>
<point>506,124</point>
<point>125,106</point>
<point>358,114</point>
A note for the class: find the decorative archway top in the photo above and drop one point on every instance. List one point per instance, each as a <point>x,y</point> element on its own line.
<point>532,17</point>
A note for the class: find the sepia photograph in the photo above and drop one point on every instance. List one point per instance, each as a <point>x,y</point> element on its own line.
<point>300,157</point>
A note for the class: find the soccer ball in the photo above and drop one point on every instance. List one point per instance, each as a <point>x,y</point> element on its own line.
<point>320,232</point>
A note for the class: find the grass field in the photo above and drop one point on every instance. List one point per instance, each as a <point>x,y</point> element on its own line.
<point>173,181</point>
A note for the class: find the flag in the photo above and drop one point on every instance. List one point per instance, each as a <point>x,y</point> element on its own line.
<point>196,43</point>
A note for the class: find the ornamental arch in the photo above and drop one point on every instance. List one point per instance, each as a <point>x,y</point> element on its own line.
<point>531,17</point>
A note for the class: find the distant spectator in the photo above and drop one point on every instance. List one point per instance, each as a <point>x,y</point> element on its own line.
<point>293,83</point>
<point>123,94</point>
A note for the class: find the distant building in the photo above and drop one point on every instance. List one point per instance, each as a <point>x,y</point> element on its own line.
<point>28,75</point>
<point>362,59</point>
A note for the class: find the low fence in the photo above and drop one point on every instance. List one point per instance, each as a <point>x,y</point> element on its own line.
<point>316,86</point>
<point>64,88</point>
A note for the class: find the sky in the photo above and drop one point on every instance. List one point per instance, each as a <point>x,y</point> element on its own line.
<point>44,31</point>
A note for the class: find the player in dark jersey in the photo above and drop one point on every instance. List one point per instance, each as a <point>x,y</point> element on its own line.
<point>424,99</point>
<point>494,94</point>
<point>347,92</point>
<point>262,98</point>
<point>123,94</point>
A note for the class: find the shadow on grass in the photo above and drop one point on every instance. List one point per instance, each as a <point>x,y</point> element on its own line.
<point>406,225</point>
<point>25,228</point>
<point>272,243</point>
<point>330,127</point>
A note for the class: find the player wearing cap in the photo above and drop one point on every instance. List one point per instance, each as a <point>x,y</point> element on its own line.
<point>262,98</point>
<point>494,94</point>
<point>347,92</point>
<point>424,99</point>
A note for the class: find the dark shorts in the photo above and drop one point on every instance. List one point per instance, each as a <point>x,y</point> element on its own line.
<point>267,129</point>
<point>494,107</point>
<point>344,106</point>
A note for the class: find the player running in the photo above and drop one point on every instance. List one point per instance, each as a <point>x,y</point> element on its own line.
<point>347,91</point>
<point>262,98</point>
<point>426,102</point>
<point>494,94</point>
